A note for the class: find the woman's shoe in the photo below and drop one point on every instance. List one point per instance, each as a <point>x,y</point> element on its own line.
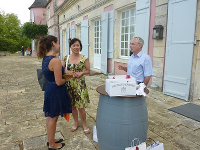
<point>59,141</point>
<point>74,128</point>
<point>63,144</point>
<point>87,131</point>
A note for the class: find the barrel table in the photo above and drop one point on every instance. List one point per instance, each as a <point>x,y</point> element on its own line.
<point>120,119</point>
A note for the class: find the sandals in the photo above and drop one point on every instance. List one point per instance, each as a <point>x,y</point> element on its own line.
<point>74,128</point>
<point>59,141</point>
<point>87,131</point>
<point>63,144</point>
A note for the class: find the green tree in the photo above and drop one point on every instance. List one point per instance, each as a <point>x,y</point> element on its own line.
<point>11,37</point>
<point>34,31</point>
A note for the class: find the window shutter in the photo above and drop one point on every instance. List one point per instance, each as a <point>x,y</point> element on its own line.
<point>61,45</point>
<point>84,37</point>
<point>73,31</point>
<point>104,43</point>
<point>142,22</point>
<point>179,48</point>
<point>67,40</point>
<point>32,16</point>
<point>111,20</point>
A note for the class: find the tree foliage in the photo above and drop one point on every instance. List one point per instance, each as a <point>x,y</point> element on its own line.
<point>11,37</point>
<point>34,31</point>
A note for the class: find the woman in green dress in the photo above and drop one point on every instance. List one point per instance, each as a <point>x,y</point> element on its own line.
<point>78,65</point>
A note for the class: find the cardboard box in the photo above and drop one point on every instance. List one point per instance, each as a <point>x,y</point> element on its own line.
<point>121,86</point>
<point>120,77</point>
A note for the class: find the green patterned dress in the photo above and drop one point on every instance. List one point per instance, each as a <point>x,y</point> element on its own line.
<point>76,87</point>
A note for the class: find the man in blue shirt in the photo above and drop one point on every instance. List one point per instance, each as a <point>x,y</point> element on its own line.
<point>139,64</point>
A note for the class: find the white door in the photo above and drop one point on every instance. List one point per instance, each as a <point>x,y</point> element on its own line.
<point>179,48</point>
<point>105,44</point>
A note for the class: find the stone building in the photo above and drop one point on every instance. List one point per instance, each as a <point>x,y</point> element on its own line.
<point>106,27</point>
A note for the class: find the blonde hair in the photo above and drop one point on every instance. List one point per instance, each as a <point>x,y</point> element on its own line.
<point>140,40</point>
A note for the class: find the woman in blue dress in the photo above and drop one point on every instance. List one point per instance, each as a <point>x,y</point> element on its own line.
<point>56,98</point>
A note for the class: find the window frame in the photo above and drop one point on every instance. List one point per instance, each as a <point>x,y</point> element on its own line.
<point>125,33</point>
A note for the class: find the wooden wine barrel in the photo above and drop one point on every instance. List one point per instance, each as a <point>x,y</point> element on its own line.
<point>119,120</point>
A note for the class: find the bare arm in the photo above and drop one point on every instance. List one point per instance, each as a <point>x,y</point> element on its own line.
<point>146,80</point>
<point>63,63</point>
<point>120,67</point>
<point>56,67</point>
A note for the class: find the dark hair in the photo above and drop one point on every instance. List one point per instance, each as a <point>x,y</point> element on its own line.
<point>75,40</point>
<point>45,45</point>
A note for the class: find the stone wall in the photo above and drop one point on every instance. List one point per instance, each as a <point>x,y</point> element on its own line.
<point>159,45</point>
<point>4,53</point>
<point>195,86</point>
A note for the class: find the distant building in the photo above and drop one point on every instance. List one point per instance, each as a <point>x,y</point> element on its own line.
<point>37,16</point>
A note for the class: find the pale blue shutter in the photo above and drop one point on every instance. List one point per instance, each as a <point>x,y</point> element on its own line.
<point>73,31</point>
<point>111,20</point>
<point>61,45</point>
<point>142,22</point>
<point>179,47</point>
<point>104,42</point>
<point>84,37</point>
<point>67,40</point>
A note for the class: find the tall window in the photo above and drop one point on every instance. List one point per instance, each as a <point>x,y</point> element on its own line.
<point>97,37</point>
<point>127,31</point>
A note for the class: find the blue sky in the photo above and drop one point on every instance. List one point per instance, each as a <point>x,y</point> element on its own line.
<point>18,7</point>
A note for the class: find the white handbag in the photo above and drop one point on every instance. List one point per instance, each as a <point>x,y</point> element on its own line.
<point>139,146</point>
<point>156,146</point>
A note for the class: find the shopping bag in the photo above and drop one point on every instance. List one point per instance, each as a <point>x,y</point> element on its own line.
<point>95,134</point>
<point>41,79</point>
<point>138,145</point>
<point>66,116</point>
<point>156,146</point>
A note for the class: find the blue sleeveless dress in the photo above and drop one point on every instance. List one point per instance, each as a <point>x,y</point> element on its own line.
<point>56,98</point>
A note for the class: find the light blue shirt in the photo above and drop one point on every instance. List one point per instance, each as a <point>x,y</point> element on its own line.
<point>140,66</point>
